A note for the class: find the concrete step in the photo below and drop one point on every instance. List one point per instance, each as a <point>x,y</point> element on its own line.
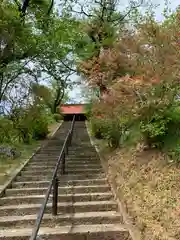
<point>83,162</point>
<point>61,183</point>
<point>46,156</point>
<point>71,232</point>
<point>78,197</point>
<point>86,207</point>
<point>83,151</point>
<point>64,177</point>
<point>68,166</point>
<point>68,162</point>
<point>46,172</point>
<point>63,207</point>
<point>81,148</point>
<point>62,220</point>
<point>48,160</point>
<point>82,157</point>
<point>62,190</point>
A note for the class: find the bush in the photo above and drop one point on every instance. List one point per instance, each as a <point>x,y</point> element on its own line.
<point>97,128</point>
<point>40,128</point>
<point>161,126</point>
<point>57,117</point>
<point>154,131</point>
<point>7,132</point>
<point>112,132</point>
<point>31,123</point>
<point>88,110</point>
<point>107,129</point>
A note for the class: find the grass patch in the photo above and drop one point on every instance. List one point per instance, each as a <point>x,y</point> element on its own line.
<point>7,165</point>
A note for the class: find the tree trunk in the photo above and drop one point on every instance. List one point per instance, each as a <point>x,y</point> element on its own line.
<point>59,97</point>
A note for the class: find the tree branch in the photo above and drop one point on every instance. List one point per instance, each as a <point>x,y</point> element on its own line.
<point>12,79</point>
<point>69,68</point>
<point>83,12</point>
<point>121,18</point>
<point>50,7</point>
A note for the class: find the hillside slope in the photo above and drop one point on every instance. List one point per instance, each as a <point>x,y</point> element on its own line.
<point>148,188</point>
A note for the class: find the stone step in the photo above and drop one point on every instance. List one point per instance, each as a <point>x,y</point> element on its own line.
<point>64,177</point>
<point>61,183</point>
<point>68,161</point>
<point>62,190</point>
<point>81,148</point>
<point>86,206</point>
<point>82,156</point>
<point>62,220</point>
<point>78,197</point>
<point>73,156</point>
<point>68,171</point>
<point>63,207</point>
<point>81,151</point>
<point>71,232</point>
<point>53,159</point>
<point>35,167</point>
<point>46,156</point>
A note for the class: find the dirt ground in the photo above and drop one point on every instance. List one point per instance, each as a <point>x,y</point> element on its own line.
<point>148,187</point>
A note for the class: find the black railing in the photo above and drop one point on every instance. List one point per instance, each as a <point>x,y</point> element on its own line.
<point>53,185</point>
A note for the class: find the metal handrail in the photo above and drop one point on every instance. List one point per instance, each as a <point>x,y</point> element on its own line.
<point>54,183</point>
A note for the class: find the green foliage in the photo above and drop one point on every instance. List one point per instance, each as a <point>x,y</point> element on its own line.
<point>97,127</point>
<point>162,130</point>
<point>112,132</point>
<point>40,128</point>
<point>7,132</point>
<point>107,129</point>
<point>31,123</point>
<point>154,130</point>
<point>57,117</point>
<point>88,110</point>
<point>171,141</point>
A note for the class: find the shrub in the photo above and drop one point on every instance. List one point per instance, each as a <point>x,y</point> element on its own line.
<point>6,130</point>
<point>154,131</point>
<point>161,125</point>
<point>107,129</point>
<point>88,110</point>
<point>31,123</point>
<point>97,126</point>
<point>112,132</point>
<point>57,117</point>
<point>40,128</point>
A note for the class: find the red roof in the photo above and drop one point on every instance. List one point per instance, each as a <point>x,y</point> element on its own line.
<point>72,108</point>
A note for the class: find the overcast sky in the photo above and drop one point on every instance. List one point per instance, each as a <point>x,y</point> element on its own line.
<point>75,94</point>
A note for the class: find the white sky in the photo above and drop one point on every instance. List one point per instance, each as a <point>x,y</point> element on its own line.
<point>75,94</point>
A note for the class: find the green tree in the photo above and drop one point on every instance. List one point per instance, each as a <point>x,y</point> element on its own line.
<point>30,46</point>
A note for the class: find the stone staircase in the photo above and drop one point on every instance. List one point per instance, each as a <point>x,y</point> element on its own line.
<point>86,207</point>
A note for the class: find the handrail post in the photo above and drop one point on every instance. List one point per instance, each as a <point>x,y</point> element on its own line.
<point>55,197</point>
<point>63,163</point>
<point>70,138</point>
<point>66,147</point>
